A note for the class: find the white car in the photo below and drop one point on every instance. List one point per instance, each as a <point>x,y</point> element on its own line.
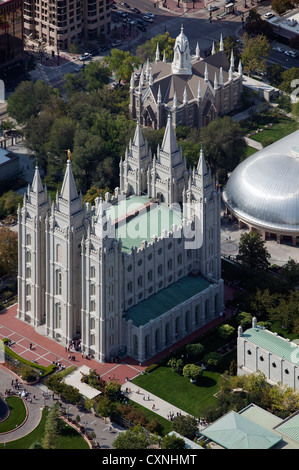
<point>147,18</point>
<point>213,8</point>
<point>151,15</point>
<point>268,15</point>
<point>278,49</point>
<point>85,56</point>
<point>290,53</point>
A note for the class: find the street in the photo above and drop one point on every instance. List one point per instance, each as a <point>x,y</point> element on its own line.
<point>197,27</point>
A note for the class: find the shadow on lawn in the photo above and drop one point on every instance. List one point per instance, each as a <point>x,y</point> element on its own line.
<point>206,382</point>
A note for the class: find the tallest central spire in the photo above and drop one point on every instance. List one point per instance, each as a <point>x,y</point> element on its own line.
<point>181,64</point>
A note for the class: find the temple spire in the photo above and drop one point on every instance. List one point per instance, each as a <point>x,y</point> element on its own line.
<point>169,144</point>
<point>69,190</point>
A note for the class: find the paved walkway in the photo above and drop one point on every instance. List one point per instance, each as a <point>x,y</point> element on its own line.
<point>44,397</point>
<point>45,351</point>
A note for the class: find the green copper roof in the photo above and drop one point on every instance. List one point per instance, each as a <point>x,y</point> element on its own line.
<point>272,343</point>
<point>290,427</point>
<point>166,299</point>
<point>147,224</point>
<point>234,431</point>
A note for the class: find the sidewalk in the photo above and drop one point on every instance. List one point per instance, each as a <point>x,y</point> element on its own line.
<point>43,397</point>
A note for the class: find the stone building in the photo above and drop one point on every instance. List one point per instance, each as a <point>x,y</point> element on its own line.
<point>131,275</point>
<point>59,23</point>
<point>194,89</point>
<point>264,351</point>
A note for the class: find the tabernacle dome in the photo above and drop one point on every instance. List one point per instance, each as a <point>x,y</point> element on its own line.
<point>263,191</point>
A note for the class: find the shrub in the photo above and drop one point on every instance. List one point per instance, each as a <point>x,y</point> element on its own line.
<point>192,371</point>
<point>176,365</point>
<point>194,351</point>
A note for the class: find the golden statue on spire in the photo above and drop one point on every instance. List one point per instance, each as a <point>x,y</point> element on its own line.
<point>69,154</point>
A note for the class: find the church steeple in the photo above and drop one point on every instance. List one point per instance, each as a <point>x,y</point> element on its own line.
<point>181,64</point>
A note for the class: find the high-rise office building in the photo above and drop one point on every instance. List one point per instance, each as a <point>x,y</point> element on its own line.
<point>59,23</point>
<point>11,32</point>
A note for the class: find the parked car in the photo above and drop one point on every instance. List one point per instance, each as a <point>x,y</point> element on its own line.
<point>135,10</point>
<point>114,7</point>
<point>141,27</point>
<point>290,53</point>
<point>278,49</point>
<point>148,19</point>
<point>143,23</point>
<point>124,4</point>
<point>213,8</point>
<point>85,56</point>
<point>268,15</point>
<point>104,48</point>
<point>151,15</point>
<point>116,43</point>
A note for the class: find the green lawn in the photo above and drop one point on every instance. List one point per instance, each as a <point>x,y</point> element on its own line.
<point>17,414</point>
<point>179,391</point>
<point>276,132</point>
<point>70,439</point>
<point>249,151</point>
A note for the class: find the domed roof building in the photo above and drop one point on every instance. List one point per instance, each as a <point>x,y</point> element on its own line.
<point>263,191</point>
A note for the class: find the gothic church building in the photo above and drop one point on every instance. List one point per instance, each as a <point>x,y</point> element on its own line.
<point>195,90</point>
<point>136,272</point>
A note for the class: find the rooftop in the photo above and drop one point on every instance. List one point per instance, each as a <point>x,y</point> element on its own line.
<point>271,342</point>
<point>234,431</point>
<point>137,220</point>
<point>166,299</point>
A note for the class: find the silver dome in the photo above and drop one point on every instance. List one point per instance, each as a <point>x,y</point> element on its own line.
<point>263,190</point>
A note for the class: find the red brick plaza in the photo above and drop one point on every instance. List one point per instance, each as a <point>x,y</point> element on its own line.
<point>45,351</point>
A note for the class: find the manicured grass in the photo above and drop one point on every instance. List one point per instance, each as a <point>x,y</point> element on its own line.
<point>249,151</point>
<point>17,414</point>
<point>179,391</point>
<point>70,439</point>
<point>276,132</point>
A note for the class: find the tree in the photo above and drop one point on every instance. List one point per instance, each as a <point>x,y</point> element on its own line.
<point>122,63</point>
<point>290,272</point>
<point>212,359</point>
<point>135,438</point>
<point>105,407</point>
<point>148,49</point>
<point>263,301</point>
<point>8,252</point>
<point>9,202</point>
<point>255,53</point>
<point>28,99</point>
<point>284,103</point>
<point>192,372</point>
<point>290,80</point>
<point>93,193</point>
<point>281,6</point>
<point>173,442</point>
<point>194,351</point>
<point>244,319</point>
<point>112,389</point>
<point>274,74</point>
<point>226,331</point>
<point>223,144</point>
<point>185,425</point>
<point>96,75</point>
<point>176,365</point>
<point>252,251</point>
